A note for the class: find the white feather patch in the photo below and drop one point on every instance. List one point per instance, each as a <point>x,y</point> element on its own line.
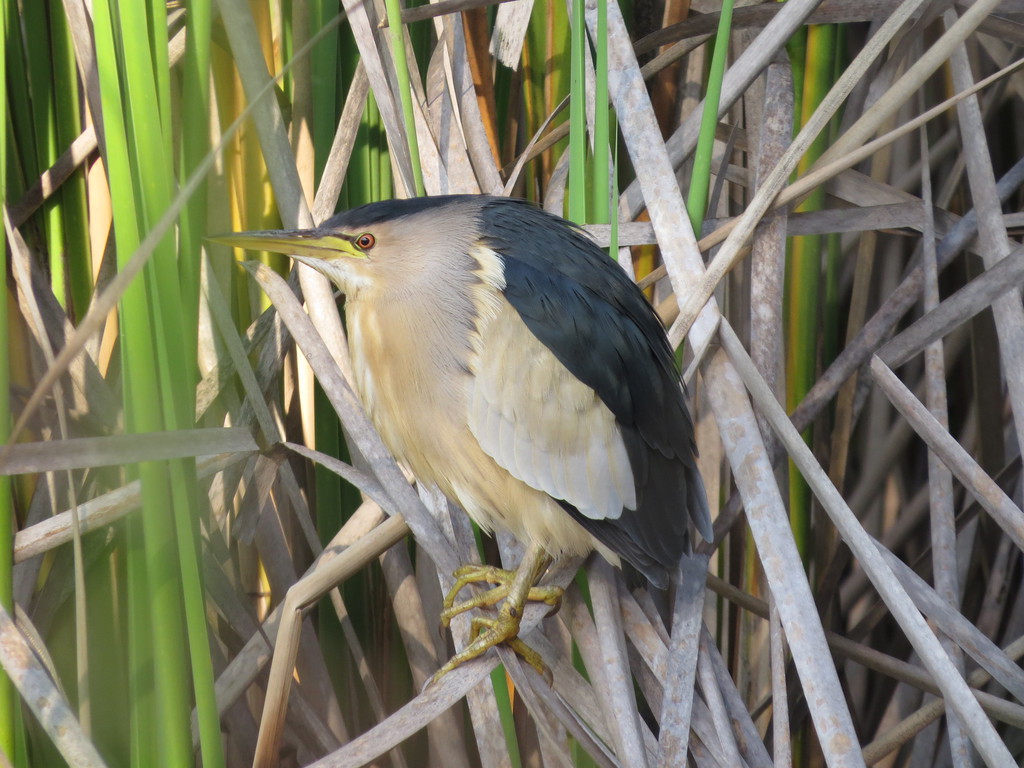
<point>544,426</point>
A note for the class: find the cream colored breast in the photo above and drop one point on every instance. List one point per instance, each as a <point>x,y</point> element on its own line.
<point>411,348</point>
<point>422,373</point>
<point>410,384</point>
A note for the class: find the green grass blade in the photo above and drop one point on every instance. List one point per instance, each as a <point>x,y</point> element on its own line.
<point>159,372</point>
<point>194,129</point>
<point>325,76</point>
<point>601,205</point>
<point>700,178</point>
<point>21,160</point>
<point>142,695</point>
<point>394,11</point>
<point>804,273</point>
<point>44,118</point>
<point>503,697</point>
<point>155,608</point>
<point>8,697</point>
<point>73,209</point>
<point>576,200</point>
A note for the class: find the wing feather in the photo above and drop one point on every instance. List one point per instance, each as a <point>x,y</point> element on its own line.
<point>551,431</point>
<point>600,328</point>
<point>524,457</point>
<point>506,445</point>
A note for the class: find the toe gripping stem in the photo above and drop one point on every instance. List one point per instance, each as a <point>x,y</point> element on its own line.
<point>516,588</point>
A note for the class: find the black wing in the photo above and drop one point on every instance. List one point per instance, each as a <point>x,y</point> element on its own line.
<point>599,325</point>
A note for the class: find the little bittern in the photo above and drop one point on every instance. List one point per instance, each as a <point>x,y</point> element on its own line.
<point>507,360</point>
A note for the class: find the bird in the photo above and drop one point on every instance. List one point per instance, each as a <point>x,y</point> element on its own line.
<point>508,361</point>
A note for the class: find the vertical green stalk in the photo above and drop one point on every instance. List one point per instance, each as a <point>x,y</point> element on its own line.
<point>158,725</point>
<point>545,84</point>
<point>324,73</point>
<point>168,635</point>
<point>8,698</point>
<point>397,30</point>
<point>533,85</point>
<point>700,177</point>
<point>195,122</point>
<point>601,211</point>
<point>803,275</point>
<point>606,150</point>
<point>286,44</point>
<point>21,133</point>
<point>41,83</point>
<point>175,298</point>
<point>576,203</point>
<point>72,196</point>
<point>503,697</point>
<point>143,733</point>
<point>555,76</point>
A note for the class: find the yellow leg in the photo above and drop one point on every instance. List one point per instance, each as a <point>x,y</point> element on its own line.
<point>516,587</point>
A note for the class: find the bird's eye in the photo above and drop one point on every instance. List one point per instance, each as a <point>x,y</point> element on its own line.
<point>365,241</point>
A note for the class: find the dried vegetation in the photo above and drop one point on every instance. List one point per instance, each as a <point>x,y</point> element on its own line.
<point>887,631</point>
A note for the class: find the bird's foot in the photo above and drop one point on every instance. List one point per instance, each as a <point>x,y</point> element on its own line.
<point>488,633</point>
<point>474,574</point>
<point>516,588</point>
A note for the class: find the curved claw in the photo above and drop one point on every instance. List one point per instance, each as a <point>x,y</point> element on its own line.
<point>515,588</point>
<point>490,633</point>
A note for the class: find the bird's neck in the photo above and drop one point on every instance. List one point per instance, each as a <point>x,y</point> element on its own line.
<point>433,313</point>
<point>405,348</point>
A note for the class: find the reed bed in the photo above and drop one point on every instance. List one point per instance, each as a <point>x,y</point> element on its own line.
<point>208,557</point>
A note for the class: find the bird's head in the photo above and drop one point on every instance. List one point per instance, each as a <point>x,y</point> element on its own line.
<point>379,246</point>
